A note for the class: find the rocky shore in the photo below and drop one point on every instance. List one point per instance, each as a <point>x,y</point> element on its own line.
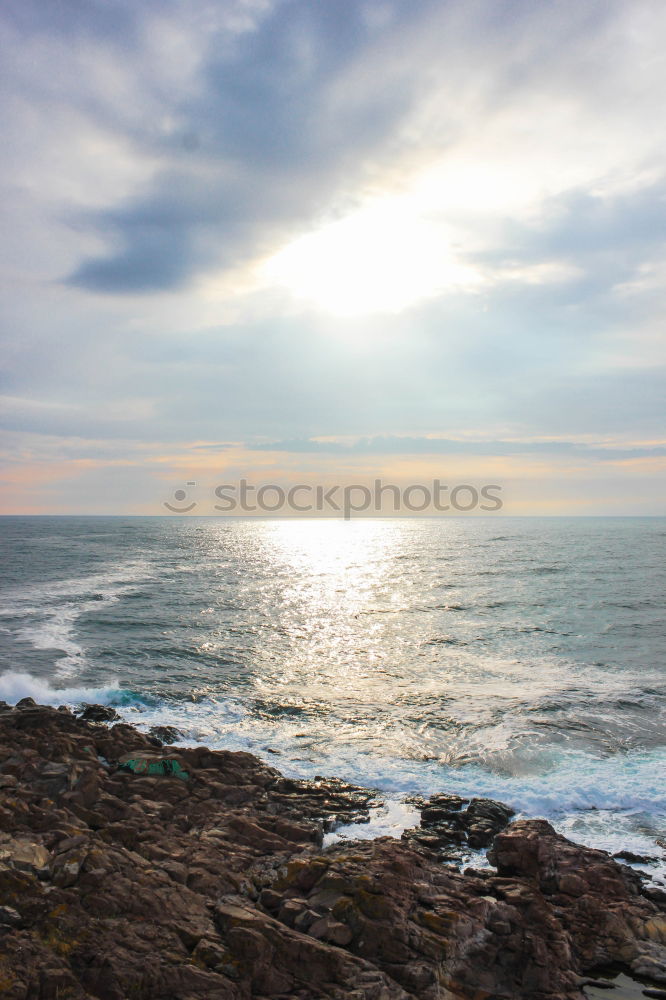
<point>129,869</point>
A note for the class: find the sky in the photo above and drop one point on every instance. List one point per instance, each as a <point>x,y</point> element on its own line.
<point>325,241</point>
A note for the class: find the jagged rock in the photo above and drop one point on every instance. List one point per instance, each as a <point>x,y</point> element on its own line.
<point>9,917</point>
<point>651,958</point>
<point>98,713</point>
<point>327,929</point>
<point>117,884</point>
<point>447,828</point>
<point>25,855</point>
<point>483,819</point>
<point>601,903</point>
<point>635,859</point>
<point>166,734</point>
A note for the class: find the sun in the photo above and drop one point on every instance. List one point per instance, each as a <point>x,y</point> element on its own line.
<point>382,258</point>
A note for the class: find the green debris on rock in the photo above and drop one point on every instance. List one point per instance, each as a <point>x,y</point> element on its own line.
<point>151,765</point>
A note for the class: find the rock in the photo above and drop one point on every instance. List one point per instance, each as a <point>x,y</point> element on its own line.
<point>127,881</point>
<point>98,713</point>
<point>483,819</point>
<point>651,959</point>
<point>305,920</point>
<point>334,802</point>
<point>166,734</point>
<point>270,900</point>
<point>9,917</point>
<point>212,954</point>
<point>599,902</point>
<point>330,930</point>
<point>446,826</point>
<point>25,855</point>
<point>635,859</point>
<point>289,911</point>
<point>67,866</point>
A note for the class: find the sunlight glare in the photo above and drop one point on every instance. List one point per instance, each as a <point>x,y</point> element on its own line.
<point>382,258</point>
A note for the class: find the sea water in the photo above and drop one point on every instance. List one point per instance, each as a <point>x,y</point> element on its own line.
<point>517,658</point>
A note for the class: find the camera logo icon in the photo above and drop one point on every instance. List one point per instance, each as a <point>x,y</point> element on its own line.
<point>180,496</point>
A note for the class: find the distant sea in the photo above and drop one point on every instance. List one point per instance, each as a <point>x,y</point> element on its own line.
<point>518,658</point>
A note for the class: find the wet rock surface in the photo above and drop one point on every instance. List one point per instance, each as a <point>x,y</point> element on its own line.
<point>98,713</point>
<point>166,734</point>
<point>118,884</point>
<point>450,824</point>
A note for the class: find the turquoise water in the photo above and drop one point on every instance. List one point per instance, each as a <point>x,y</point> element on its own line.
<point>522,658</point>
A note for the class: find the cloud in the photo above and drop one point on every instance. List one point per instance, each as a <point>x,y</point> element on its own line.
<point>398,445</point>
<point>267,138</point>
<point>277,125</point>
<point>606,239</point>
<point>157,156</point>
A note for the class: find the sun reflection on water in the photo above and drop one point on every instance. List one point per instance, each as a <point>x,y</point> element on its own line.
<point>335,562</point>
<point>429,643</point>
<point>328,574</point>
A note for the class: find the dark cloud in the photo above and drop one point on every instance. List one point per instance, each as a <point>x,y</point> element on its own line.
<point>279,118</point>
<point>268,142</point>
<point>283,119</point>
<point>116,21</point>
<point>262,104</point>
<point>607,237</point>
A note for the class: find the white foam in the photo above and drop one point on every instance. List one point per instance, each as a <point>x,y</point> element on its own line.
<point>14,686</point>
<point>631,781</point>
<point>610,802</point>
<point>128,572</point>
<point>56,632</point>
<point>387,820</point>
<point>55,607</point>
<point>552,780</point>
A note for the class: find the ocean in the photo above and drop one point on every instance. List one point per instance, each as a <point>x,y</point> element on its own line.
<point>522,659</point>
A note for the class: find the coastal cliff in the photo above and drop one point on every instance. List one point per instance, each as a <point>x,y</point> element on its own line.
<point>129,869</point>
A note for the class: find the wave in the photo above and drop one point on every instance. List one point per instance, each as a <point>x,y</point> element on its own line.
<point>90,586</point>
<point>45,614</point>
<point>548,783</point>
<point>15,686</point>
<point>576,784</point>
<point>526,629</point>
<point>56,632</point>
<point>611,803</point>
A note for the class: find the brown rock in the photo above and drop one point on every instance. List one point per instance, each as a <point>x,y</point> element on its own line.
<point>331,930</point>
<point>25,855</point>
<point>115,884</point>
